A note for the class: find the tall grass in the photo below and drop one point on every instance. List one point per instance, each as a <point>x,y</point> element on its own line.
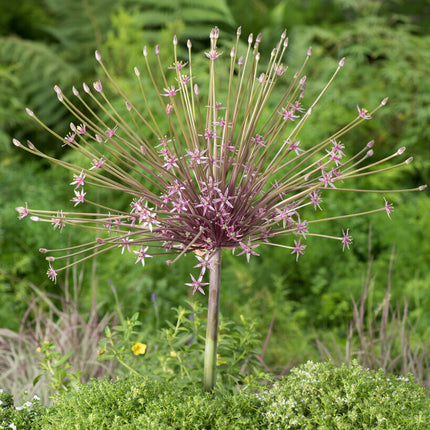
<point>62,321</point>
<point>381,336</point>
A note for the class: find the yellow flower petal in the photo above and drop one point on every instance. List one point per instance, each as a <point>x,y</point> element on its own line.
<point>139,348</point>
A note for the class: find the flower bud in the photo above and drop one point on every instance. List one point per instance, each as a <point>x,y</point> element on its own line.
<point>286,42</point>
<point>342,62</point>
<point>30,145</point>
<point>369,153</point>
<point>16,142</point>
<point>309,51</point>
<point>196,90</point>
<point>43,250</point>
<point>401,150</point>
<point>409,160</point>
<point>145,51</point>
<point>422,187</point>
<point>169,109</point>
<point>157,49</point>
<point>189,44</point>
<point>175,40</point>
<point>98,86</point>
<point>29,112</point>
<point>75,91</point>
<point>136,71</point>
<point>250,37</point>
<point>98,56</point>
<point>86,88</point>
<point>50,259</point>
<point>258,39</point>
<point>35,218</point>
<point>239,31</point>
<point>384,102</point>
<point>57,89</point>
<point>370,144</point>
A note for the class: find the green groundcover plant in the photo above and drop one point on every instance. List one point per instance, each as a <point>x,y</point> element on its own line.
<point>312,396</point>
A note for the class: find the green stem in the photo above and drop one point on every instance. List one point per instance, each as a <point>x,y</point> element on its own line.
<point>212,322</point>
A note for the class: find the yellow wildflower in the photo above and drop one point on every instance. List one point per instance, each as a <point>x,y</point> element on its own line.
<point>138,348</point>
<point>219,361</point>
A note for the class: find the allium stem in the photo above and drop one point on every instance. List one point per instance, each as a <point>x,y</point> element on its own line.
<point>212,322</point>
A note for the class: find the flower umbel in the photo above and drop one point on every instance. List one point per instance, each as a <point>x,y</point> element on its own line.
<point>224,174</point>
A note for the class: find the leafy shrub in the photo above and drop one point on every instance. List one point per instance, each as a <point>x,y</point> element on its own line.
<point>323,396</point>
<point>175,352</point>
<point>18,417</point>
<point>315,395</point>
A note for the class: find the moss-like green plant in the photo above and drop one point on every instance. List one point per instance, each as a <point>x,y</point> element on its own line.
<point>323,396</point>
<point>18,417</point>
<point>312,396</point>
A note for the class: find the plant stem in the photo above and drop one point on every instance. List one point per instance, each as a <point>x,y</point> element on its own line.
<point>212,322</point>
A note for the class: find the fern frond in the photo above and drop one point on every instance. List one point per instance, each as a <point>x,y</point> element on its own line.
<point>37,67</point>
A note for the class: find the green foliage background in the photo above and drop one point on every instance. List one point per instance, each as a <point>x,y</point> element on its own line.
<point>387,45</point>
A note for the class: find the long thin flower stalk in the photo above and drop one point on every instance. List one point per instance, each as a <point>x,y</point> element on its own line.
<point>209,169</point>
<point>212,321</point>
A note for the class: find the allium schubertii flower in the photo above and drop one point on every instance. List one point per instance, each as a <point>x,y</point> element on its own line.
<point>224,174</point>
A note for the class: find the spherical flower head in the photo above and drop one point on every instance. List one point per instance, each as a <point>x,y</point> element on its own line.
<point>218,173</point>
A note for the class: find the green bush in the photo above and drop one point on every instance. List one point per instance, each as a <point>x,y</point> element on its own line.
<point>315,395</point>
<point>325,397</point>
<point>18,417</point>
